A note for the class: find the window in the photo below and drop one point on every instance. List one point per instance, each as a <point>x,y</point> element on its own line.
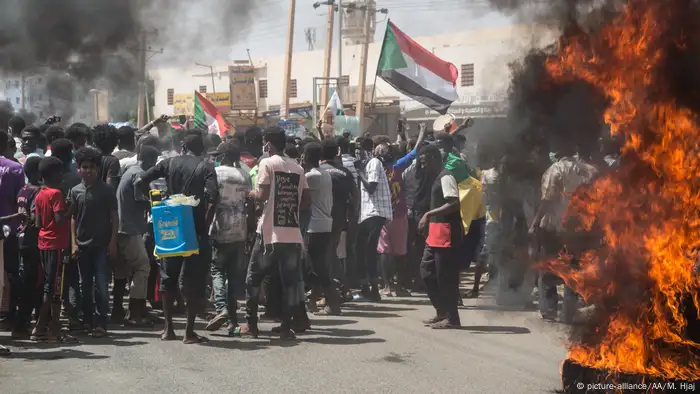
<point>468,74</point>
<point>171,96</point>
<point>293,88</point>
<point>344,80</point>
<point>16,100</point>
<point>262,88</point>
<point>203,89</point>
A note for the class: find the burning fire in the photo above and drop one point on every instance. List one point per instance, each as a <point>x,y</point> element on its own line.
<point>649,211</point>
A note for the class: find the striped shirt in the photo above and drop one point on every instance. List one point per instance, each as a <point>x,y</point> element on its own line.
<point>379,202</point>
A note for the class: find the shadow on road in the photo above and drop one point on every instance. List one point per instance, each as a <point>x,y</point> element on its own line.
<point>342,341</point>
<point>369,314</point>
<point>375,307</point>
<point>332,322</point>
<point>407,301</point>
<point>496,329</point>
<point>58,354</point>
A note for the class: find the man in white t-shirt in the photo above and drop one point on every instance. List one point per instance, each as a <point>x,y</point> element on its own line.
<point>281,185</point>
<point>228,233</point>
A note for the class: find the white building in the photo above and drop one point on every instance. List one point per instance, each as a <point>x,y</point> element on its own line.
<point>482,57</point>
<point>37,97</point>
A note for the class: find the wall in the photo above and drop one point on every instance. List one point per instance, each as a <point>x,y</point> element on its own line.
<point>37,99</point>
<point>490,50</point>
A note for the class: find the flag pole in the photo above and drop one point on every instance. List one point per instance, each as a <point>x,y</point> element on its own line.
<point>376,70</point>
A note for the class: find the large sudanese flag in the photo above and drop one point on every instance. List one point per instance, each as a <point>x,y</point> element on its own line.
<point>207,116</point>
<point>416,72</point>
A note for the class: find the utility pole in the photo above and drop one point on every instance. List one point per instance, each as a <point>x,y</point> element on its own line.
<point>141,112</point>
<point>327,57</point>
<point>362,83</point>
<point>22,100</point>
<point>369,11</point>
<point>284,107</point>
<point>340,44</point>
<point>211,70</point>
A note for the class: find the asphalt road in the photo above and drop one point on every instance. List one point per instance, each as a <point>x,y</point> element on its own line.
<point>372,348</point>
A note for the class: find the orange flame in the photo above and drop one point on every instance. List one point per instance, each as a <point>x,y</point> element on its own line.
<point>650,226</point>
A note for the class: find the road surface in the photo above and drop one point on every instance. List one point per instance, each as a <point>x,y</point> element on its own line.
<point>372,348</point>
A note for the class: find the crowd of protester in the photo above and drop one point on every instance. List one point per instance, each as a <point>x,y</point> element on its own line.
<point>301,225</point>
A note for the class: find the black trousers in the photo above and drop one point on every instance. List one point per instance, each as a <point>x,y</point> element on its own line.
<point>367,240</point>
<point>440,273</point>
<point>416,245</point>
<point>285,260</point>
<point>317,245</point>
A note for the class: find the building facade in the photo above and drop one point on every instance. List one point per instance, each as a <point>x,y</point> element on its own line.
<point>31,92</point>
<point>482,57</point>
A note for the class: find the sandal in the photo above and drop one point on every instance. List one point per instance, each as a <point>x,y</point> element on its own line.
<point>38,337</point>
<point>245,331</point>
<point>67,339</point>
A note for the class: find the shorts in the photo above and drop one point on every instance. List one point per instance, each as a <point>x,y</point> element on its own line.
<point>394,237</point>
<point>189,273</point>
<point>54,263</point>
<point>132,254</point>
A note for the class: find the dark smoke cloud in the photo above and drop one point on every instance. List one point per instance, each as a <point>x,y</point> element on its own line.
<point>75,35</point>
<point>544,114</point>
<point>84,44</point>
<point>556,13</point>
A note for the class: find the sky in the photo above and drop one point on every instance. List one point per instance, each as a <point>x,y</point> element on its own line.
<point>266,34</point>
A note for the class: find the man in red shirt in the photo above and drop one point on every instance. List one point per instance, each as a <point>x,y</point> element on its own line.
<point>53,221</point>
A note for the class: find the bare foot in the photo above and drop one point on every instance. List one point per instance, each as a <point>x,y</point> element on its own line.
<point>168,336</point>
<point>193,338</point>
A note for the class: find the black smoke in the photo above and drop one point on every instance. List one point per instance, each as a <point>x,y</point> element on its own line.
<point>86,44</point>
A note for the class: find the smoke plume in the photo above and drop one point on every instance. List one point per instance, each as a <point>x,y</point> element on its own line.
<point>201,31</point>
<point>86,44</point>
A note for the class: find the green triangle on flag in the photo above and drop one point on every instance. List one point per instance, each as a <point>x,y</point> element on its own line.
<point>391,57</point>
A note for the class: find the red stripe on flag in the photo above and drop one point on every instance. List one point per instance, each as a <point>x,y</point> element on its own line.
<point>423,57</point>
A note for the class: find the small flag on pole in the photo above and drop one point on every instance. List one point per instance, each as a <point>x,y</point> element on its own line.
<point>335,107</point>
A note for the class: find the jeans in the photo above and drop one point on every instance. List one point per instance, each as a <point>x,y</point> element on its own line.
<point>72,299</point>
<point>367,240</point>
<point>95,274</point>
<point>32,287</point>
<point>228,270</point>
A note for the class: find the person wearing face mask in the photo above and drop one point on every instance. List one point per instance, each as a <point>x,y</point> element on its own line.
<point>375,211</point>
